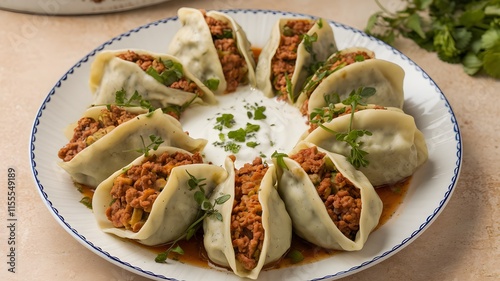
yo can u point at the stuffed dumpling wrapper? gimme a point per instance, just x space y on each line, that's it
396 147
326 114
386 77
295 47
150 200
215 49
104 141
256 205
159 78
331 204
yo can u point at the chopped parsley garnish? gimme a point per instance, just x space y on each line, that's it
226 120
252 144
156 141
279 159
135 100
308 40
87 201
172 73
241 134
356 97
255 112
212 83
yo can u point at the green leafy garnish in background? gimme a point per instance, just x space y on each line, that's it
466 32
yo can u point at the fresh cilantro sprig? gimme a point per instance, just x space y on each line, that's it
226 120
207 209
172 73
134 100
466 32
279 159
156 141
356 97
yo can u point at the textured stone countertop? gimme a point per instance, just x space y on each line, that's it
36 50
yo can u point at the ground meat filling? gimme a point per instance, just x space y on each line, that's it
328 115
233 63
341 198
247 232
333 64
146 61
283 62
348 58
135 191
89 130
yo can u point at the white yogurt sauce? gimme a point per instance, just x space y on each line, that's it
279 131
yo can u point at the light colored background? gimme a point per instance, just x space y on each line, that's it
36 50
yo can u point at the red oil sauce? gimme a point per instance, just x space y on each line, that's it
194 253
256 53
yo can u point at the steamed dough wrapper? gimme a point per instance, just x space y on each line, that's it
350 69
253 199
331 204
328 113
215 49
150 200
99 154
159 78
395 149
289 56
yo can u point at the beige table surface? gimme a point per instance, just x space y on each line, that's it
35 51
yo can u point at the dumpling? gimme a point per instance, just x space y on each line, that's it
262 238
386 77
104 140
328 113
295 48
215 49
150 200
331 204
395 149
160 79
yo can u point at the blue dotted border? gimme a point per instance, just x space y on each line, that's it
339 25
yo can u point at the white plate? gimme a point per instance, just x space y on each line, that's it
430 189
74 7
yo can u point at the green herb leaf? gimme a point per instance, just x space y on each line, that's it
252 144
173 72
237 135
308 40
279 159
207 209
212 83
156 141
458 31
259 113
226 120
135 100
87 201
295 255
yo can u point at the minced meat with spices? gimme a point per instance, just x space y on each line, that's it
341 198
233 64
145 61
329 115
135 191
247 232
283 61
89 130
